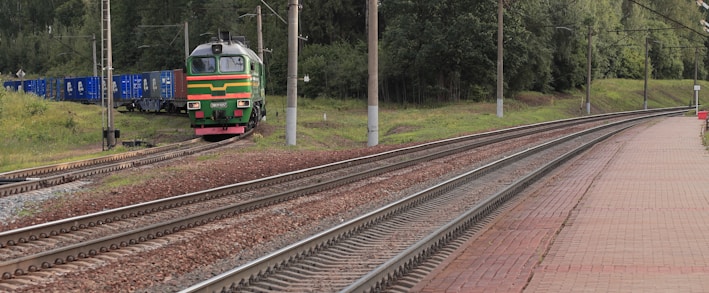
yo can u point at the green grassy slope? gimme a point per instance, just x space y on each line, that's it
35 131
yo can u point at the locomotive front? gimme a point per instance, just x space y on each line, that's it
225 88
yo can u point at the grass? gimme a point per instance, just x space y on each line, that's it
629 94
343 123
138 178
207 157
37 132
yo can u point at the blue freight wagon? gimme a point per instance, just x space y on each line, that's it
173 90
148 85
29 85
123 91
151 100
11 85
167 84
136 81
154 84
147 91
71 92
41 89
55 89
85 90
90 89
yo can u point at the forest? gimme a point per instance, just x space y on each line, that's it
429 51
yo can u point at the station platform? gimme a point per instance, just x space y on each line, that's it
629 215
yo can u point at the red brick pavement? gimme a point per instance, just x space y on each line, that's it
631 215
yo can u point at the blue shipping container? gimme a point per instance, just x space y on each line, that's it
147 91
154 84
88 89
11 85
29 85
92 86
136 86
70 92
41 88
122 87
80 89
167 84
55 89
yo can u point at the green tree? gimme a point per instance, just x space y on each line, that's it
71 13
125 19
330 21
337 70
528 49
430 51
443 50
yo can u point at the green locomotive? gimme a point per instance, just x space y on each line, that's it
225 87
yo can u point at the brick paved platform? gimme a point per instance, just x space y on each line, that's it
631 215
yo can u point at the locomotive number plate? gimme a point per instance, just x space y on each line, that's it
219 104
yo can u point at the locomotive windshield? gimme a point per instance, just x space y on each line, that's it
231 64
226 64
203 65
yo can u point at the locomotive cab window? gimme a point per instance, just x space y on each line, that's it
203 65
231 64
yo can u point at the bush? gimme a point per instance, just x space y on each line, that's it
36 106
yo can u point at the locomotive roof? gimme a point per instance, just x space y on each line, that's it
228 48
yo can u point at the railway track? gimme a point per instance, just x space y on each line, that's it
376 251
16 182
32 249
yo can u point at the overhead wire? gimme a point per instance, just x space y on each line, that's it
668 18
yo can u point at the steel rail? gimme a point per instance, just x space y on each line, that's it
406 261
163 153
58 256
41 170
31 233
258 269
90 248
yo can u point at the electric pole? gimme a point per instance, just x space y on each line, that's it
292 90
373 86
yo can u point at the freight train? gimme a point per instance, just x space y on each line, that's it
221 88
225 87
148 91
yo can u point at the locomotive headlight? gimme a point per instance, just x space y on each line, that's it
243 103
194 105
216 49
